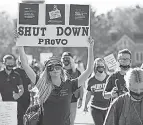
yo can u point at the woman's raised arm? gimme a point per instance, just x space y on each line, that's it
84 76
29 71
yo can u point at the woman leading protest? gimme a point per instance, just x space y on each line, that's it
55 90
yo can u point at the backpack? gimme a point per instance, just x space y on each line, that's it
33 115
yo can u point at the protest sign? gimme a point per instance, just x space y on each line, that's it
8 113
110 62
53 25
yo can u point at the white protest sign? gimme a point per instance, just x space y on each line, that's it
8 113
110 61
53 25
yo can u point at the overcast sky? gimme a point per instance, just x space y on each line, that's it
102 6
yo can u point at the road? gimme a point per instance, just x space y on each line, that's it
83 118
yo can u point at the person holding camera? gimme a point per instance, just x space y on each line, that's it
72 72
115 84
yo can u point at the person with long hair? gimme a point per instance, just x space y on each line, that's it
96 84
55 90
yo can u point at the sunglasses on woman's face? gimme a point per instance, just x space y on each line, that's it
52 67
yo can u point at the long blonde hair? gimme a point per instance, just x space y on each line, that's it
44 83
95 65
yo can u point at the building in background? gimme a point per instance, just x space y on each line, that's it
134 45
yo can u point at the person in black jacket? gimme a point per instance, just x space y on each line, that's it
11 86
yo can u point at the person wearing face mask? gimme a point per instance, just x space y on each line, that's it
115 84
96 84
11 87
127 109
72 72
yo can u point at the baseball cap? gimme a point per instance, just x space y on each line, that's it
67 54
53 61
8 57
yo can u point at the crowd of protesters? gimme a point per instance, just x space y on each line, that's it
116 98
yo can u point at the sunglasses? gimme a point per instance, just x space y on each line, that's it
52 67
100 67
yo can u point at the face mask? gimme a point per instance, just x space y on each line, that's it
136 96
9 67
66 62
100 69
125 67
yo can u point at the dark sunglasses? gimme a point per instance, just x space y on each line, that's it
52 67
100 66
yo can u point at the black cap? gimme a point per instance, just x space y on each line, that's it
10 56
